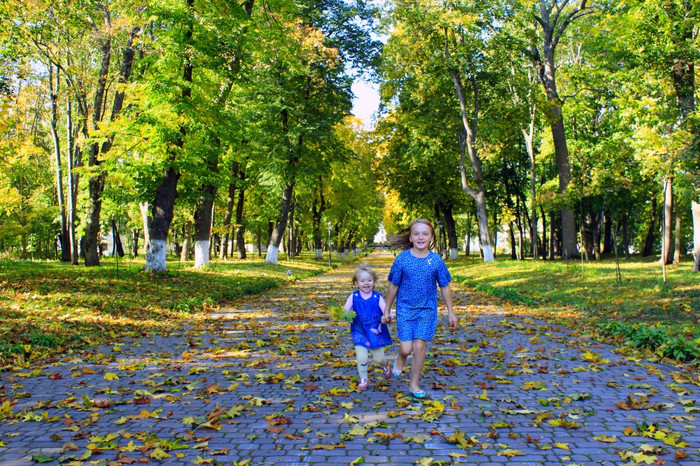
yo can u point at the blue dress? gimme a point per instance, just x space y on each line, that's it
416 300
366 328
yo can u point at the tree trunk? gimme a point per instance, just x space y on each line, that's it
280 226
677 242
164 204
146 220
240 219
467 144
117 246
186 238
228 213
696 235
588 235
529 137
91 238
63 235
625 236
513 241
277 234
291 232
597 224
607 235
545 244
203 215
666 242
96 184
452 243
161 218
135 242
317 209
74 160
552 237
651 231
553 28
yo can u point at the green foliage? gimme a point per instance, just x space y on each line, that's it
340 314
652 337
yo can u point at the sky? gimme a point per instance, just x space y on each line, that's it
366 101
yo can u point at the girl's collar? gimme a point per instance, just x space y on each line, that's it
417 256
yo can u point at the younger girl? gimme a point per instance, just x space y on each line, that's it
412 283
368 332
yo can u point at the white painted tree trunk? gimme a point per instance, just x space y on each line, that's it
146 219
201 253
488 253
155 257
319 253
454 253
271 255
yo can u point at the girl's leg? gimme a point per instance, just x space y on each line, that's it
419 347
380 358
362 356
405 349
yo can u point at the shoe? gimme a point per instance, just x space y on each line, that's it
362 386
395 372
420 394
388 371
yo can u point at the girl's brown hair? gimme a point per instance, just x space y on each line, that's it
402 239
364 267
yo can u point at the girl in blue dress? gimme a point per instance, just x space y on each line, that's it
368 332
413 281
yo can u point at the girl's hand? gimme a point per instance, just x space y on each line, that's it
454 323
386 318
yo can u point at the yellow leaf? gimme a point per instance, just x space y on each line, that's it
606 439
484 396
510 452
159 454
563 446
111 376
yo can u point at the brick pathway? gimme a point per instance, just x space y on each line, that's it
273 383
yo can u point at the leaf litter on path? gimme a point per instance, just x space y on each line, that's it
272 380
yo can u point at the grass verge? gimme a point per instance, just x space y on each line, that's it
638 311
50 308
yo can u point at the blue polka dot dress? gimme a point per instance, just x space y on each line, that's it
367 328
416 300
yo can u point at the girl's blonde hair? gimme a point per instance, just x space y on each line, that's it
364 267
402 239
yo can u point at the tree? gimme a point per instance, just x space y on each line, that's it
554 18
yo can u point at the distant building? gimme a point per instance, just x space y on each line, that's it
380 237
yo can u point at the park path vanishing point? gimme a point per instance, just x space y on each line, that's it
272 382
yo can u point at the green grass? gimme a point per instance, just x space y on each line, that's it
51 307
591 295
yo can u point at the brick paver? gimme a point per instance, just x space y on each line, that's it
272 382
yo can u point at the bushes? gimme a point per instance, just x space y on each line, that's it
653 338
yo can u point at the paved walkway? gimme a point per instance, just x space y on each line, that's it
273 383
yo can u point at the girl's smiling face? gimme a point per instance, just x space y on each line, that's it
365 281
421 236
